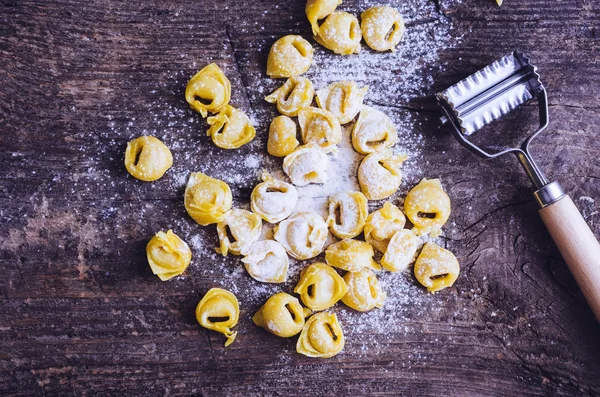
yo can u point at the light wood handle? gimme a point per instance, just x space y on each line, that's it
578 246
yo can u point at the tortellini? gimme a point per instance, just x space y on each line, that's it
147 158
364 292
379 174
373 132
340 33
296 93
289 56
302 235
320 127
343 98
239 229
351 255
347 214
208 91
282 315
400 251
322 336
231 128
266 261
382 27
219 311
282 137
168 255
382 224
307 164
273 200
207 199
428 207
320 287
319 9
436 268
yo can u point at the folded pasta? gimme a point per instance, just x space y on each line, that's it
340 33
343 98
273 200
282 137
289 56
296 93
364 291
231 128
320 287
382 224
379 174
351 255
219 311
266 261
147 158
168 255
319 9
428 207
239 229
282 315
320 127
373 132
347 214
321 337
382 27
302 235
400 251
207 199
436 268
208 91
307 164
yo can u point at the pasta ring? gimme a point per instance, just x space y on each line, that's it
272 199
231 128
351 255
347 214
343 98
168 255
320 287
239 229
219 311
302 235
428 207
282 137
436 268
207 199
373 132
340 33
208 91
400 251
147 158
320 127
382 27
322 336
289 56
266 261
364 292
307 164
379 174
296 93
382 224
319 9
282 315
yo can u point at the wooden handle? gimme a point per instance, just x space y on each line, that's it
578 246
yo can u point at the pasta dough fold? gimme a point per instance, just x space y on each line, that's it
296 93
231 128
219 311
302 235
289 56
266 261
307 164
364 292
272 199
238 229
168 255
282 137
340 33
436 268
207 199
320 127
382 27
400 251
208 91
379 174
428 207
147 158
343 98
351 255
322 336
319 9
382 224
347 214
282 315
320 287
373 132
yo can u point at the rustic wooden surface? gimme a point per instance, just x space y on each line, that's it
80 312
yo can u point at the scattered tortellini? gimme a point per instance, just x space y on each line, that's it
364 292
320 127
379 174
351 255
231 128
147 158
320 287
428 207
273 200
303 235
400 251
373 132
307 164
208 91
219 311
382 224
322 336
382 27
282 137
319 9
266 261
282 315
340 33
296 93
207 199
436 268
343 98
239 229
168 255
348 212
289 56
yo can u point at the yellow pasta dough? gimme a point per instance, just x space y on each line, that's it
168 255
436 268
266 261
289 56
231 128
282 137
147 158
379 174
208 91
320 287
296 93
272 199
400 251
319 9
382 27
207 199
364 292
321 337
343 98
428 207
340 33
351 255
348 212
219 311
320 127
238 229
302 235
373 132
382 224
282 315
307 164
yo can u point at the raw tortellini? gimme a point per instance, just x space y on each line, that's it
231 128
302 235
296 93
351 255
289 56
320 287
208 91
436 268
373 132
147 158
428 207
379 174
382 27
272 199
168 255
239 229
307 164
382 224
321 336
207 199
282 315
400 251
282 137
347 214
319 9
219 311
364 292
343 98
320 127
340 32
266 261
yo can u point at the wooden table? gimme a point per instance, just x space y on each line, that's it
80 311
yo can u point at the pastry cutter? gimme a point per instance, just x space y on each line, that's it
493 92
